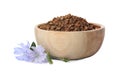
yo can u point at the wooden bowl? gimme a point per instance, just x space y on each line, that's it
70 44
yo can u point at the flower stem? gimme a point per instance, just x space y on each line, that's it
49 58
65 59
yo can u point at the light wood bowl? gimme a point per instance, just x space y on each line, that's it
70 44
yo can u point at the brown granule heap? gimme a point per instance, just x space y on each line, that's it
68 23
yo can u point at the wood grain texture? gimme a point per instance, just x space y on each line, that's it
71 45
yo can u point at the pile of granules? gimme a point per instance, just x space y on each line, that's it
68 23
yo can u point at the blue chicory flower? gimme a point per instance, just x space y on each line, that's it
36 55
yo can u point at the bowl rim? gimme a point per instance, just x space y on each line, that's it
101 27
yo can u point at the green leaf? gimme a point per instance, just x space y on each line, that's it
32 45
49 58
65 59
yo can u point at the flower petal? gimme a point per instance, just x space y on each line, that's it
24 58
40 60
18 50
40 48
25 45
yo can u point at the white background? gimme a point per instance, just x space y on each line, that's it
19 17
